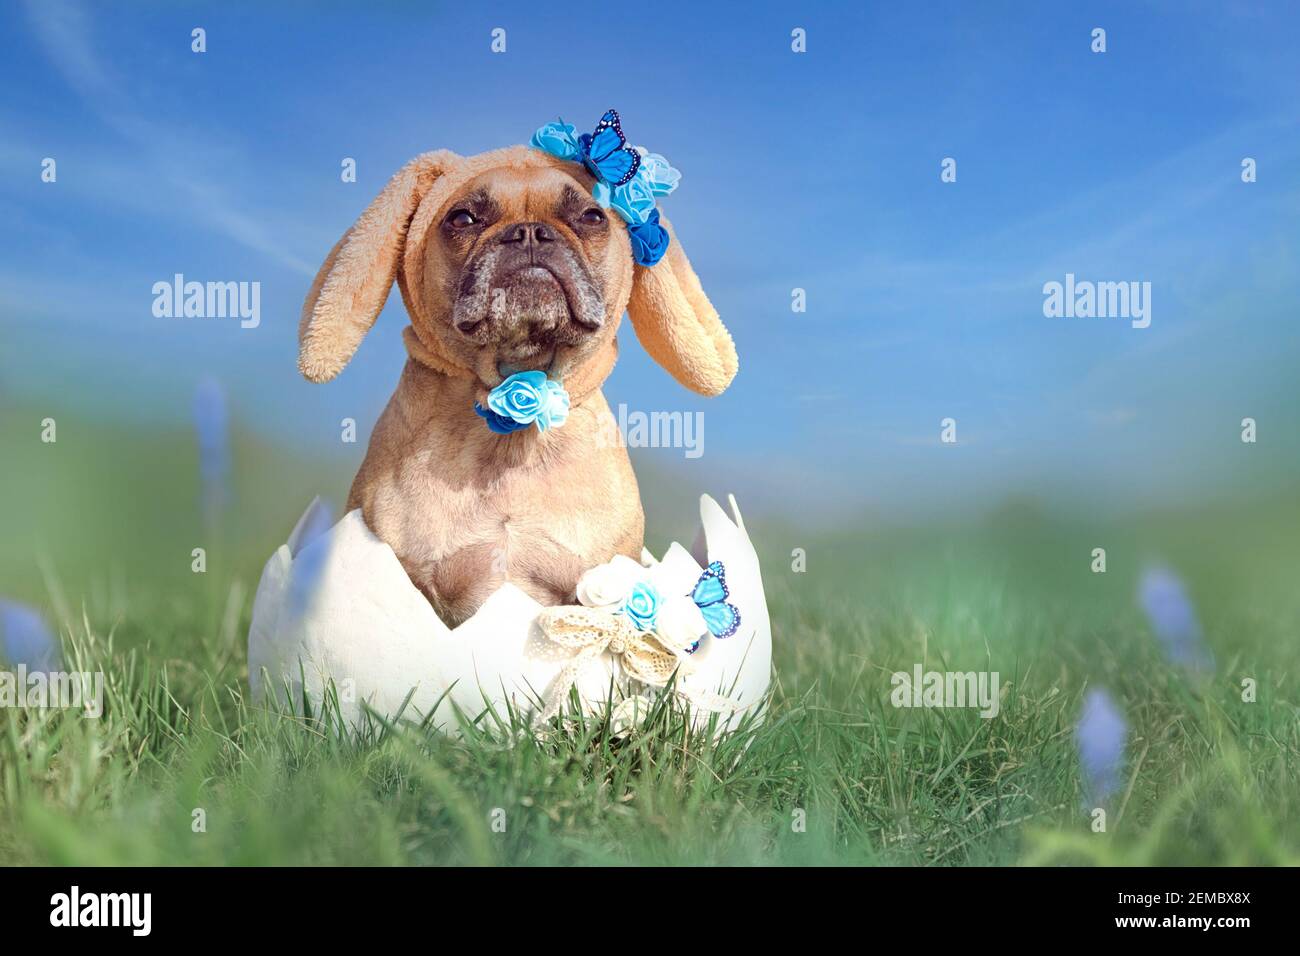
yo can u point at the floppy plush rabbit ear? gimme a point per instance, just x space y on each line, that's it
355 280
678 326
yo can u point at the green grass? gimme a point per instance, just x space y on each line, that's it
1209 779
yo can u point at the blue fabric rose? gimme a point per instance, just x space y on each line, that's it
633 201
649 240
499 423
558 139
555 410
659 173
642 606
523 399
519 397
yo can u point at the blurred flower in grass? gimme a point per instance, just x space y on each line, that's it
212 428
315 521
1172 617
1100 735
26 639
310 546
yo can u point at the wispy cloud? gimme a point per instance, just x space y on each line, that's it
173 161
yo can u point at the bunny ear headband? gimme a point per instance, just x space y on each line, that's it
672 316
629 179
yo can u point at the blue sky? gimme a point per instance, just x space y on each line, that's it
817 170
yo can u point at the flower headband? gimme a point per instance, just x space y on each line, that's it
629 179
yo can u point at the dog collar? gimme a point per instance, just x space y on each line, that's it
579 386
429 358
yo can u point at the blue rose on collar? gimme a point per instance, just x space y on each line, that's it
558 139
633 201
499 424
642 606
523 399
556 411
649 240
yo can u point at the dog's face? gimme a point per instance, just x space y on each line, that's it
519 269
506 264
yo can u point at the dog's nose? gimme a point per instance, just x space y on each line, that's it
526 234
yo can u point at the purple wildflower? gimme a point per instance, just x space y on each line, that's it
1101 734
26 639
310 546
1173 618
212 428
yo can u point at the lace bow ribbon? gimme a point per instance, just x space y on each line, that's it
590 632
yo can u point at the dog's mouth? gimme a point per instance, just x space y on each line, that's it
538 272
545 304
542 288
535 315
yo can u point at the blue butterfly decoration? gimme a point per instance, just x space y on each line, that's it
606 153
710 594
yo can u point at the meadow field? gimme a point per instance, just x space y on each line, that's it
99 531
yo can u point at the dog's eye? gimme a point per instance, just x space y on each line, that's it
460 218
592 217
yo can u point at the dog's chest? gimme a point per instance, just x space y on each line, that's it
539 530
495 545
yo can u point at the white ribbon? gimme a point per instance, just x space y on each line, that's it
590 632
